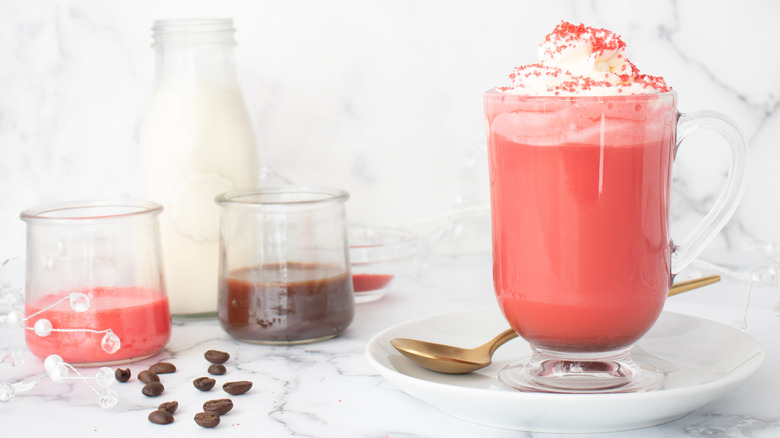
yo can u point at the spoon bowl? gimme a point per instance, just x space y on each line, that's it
450 359
455 360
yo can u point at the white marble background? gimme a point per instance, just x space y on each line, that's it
382 99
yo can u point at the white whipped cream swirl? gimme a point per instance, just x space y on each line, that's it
581 60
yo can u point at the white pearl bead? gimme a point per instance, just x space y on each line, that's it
42 327
52 361
58 374
15 318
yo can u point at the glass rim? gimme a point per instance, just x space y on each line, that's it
192 25
126 208
393 237
193 32
273 196
494 93
392 245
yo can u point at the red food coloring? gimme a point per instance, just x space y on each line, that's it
369 282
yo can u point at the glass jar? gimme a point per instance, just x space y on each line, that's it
196 142
284 265
95 289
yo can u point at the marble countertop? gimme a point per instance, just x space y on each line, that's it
328 389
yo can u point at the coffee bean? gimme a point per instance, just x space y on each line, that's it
147 376
221 406
170 406
207 419
216 356
217 369
237 388
161 417
152 389
163 368
122 375
204 383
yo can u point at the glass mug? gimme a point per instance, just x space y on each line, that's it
284 271
95 290
582 254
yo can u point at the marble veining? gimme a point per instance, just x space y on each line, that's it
384 100
394 116
734 425
328 389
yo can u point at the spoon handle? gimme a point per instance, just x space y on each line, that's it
685 286
505 336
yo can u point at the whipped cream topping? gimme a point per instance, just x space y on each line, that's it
581 60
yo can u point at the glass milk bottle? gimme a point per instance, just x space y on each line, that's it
196 143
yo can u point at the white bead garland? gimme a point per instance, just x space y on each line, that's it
79 302
14 357
59 371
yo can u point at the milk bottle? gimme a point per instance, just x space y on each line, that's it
196 143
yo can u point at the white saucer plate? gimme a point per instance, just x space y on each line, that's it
700 358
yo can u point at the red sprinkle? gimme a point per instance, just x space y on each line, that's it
567 33
603 42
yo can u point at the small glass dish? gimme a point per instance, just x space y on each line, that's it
377 256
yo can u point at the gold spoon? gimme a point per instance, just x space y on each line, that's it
456 360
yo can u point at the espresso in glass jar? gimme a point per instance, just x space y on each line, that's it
284 271
286 303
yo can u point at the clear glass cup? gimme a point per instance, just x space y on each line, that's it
582 254
95 289
284 271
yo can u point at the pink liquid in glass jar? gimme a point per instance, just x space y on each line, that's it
140 317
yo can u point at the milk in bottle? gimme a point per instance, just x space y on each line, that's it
196 143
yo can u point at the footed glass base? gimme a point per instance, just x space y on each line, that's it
587 373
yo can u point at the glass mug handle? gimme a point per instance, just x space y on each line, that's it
693 244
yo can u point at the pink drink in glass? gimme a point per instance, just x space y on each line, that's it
580 201
581 147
